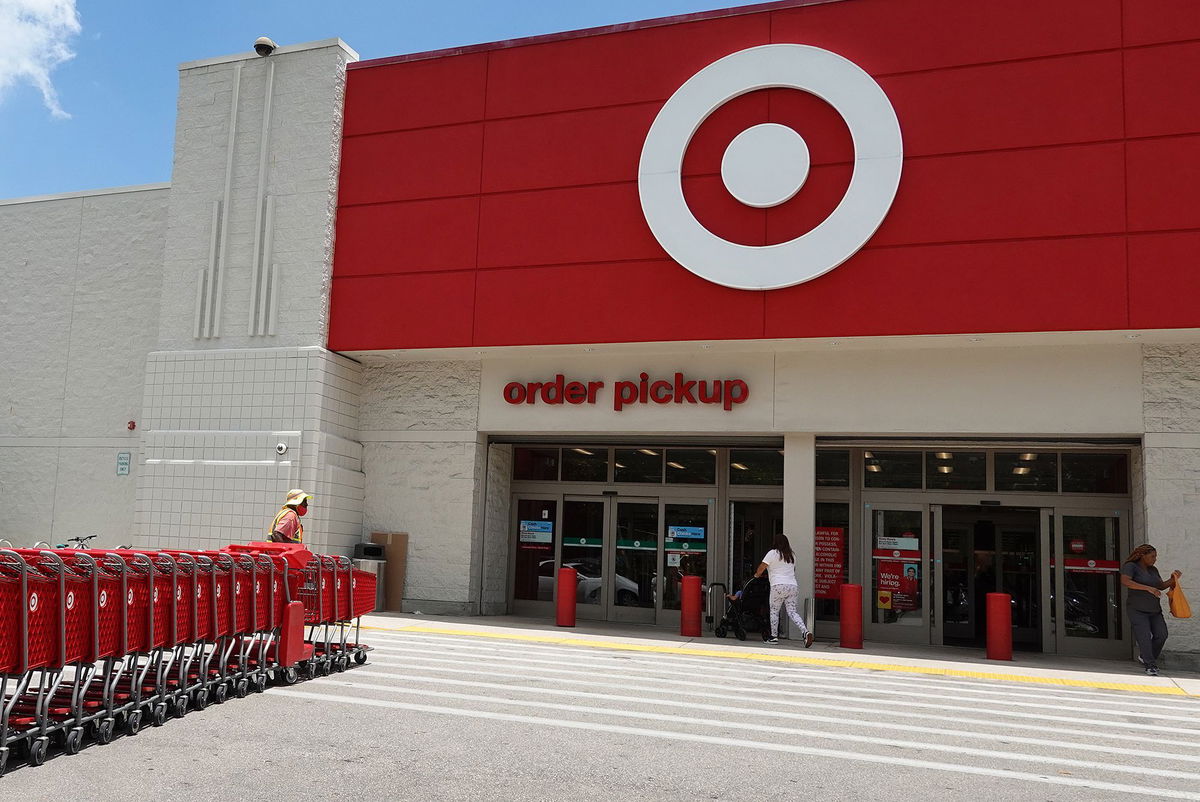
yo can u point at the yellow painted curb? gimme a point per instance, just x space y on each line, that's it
794 659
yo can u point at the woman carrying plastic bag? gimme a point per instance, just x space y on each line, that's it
1144 603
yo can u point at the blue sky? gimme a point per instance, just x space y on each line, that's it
117 86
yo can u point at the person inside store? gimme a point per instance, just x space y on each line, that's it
286 528
1144 603
780 566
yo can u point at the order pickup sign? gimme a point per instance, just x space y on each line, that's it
678 389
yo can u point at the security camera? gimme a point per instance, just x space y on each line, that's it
264 46
281 448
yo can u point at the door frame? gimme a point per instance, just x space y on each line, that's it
1083 647
937 580
531 607
919 635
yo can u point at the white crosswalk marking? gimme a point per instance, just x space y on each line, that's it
1107 742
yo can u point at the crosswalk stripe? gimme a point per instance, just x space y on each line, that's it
1122 751
796 659
825 681
794 731
692 686
1104 697
957 768
1124 737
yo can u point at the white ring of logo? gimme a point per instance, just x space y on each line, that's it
33 602
129 598
71 600
878 158
104 598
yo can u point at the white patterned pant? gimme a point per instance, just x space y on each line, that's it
786 596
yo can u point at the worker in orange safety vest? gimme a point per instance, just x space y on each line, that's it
286 528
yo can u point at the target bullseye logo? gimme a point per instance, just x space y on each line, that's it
766 165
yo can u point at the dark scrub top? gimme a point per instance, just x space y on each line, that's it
1141 600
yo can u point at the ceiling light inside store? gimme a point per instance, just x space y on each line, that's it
739 466
619 465
1028 457
874 468
945 469
675 465
712 451
1021 471
944 455
584 452
649 452
868 455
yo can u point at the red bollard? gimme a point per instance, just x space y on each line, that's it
689 607
851 617
999 626
565 606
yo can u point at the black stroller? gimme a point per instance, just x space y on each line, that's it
747 613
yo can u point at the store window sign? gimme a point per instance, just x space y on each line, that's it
642 391
681 532
902 543
899 585
766 165
536 532
828 561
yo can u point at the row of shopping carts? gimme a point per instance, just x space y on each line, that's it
97 642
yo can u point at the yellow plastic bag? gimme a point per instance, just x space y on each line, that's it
1179 603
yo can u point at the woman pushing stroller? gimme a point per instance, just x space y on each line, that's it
780 566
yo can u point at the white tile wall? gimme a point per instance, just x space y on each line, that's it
213 420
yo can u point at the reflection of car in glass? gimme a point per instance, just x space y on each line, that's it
588 582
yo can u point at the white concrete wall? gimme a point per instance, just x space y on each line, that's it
210 473
1171 478
424 465
222 394
304 145
79 290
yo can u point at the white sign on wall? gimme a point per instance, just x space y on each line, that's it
123 463
766 165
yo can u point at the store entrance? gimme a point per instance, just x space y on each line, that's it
989 550
630 554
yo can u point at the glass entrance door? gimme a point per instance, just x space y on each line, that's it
896 593
613 545
633 590
981 550
1088 549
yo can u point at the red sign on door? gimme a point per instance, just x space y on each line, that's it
1078 546
829 561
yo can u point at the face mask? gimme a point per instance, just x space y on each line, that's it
302 510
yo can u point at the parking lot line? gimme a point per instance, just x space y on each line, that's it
1167 690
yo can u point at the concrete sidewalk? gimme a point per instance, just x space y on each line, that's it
1026 667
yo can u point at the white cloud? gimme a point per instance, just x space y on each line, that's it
35 37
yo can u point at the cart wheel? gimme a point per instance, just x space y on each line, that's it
720 631
133 722
340 663
181 705
360 656
74 741
160 714
310 670
289 675
38 750
241 689
200 699
221 693
105 730
739 633
260 683
3 760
